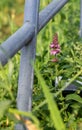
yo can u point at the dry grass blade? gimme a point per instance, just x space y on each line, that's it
28 124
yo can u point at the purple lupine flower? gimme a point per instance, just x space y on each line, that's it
55 47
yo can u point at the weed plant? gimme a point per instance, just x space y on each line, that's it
50 109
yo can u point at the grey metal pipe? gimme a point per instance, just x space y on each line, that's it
81 18
14 43
52 9
25 83
28 55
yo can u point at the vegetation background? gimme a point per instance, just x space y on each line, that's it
46 110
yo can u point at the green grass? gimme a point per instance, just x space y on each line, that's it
50 110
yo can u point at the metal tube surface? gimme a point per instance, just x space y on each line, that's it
26 74
52 9
13 44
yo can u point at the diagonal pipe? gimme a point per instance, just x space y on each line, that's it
51 10
21 37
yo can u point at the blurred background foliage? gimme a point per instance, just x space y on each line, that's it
67 24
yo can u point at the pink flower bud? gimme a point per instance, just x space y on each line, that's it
54 60
52 45
54 52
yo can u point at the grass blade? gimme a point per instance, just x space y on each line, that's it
55 114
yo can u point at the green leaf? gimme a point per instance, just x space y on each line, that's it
4 105
74 97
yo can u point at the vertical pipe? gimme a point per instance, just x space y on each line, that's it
25 83
80 18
